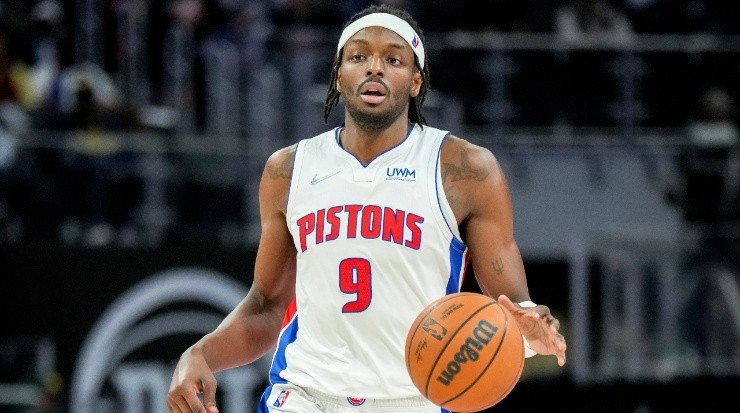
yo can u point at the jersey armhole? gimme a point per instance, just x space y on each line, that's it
294 179
444 207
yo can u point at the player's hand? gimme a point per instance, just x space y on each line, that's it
192 378
539 327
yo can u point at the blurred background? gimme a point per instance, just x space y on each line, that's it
133 135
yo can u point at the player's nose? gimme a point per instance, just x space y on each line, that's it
375 66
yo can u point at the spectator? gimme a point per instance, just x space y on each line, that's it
94 181
49 39
581 18
306 12
710 187
723 17
175 32
669 16
15 184
13 88
497 15
715 126
589 83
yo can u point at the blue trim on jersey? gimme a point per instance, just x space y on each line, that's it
336 135
292 171
336 138
457 254
262 405
438 189
279 363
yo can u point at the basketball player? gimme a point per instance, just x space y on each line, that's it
362 227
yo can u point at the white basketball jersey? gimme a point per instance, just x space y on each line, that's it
376 243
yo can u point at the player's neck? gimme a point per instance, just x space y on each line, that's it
366 145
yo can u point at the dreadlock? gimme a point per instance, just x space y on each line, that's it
415 103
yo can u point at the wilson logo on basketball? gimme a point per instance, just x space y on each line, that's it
479 338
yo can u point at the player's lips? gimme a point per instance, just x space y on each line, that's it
372 92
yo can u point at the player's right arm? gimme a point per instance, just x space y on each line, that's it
252 328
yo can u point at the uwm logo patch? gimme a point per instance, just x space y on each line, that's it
400 174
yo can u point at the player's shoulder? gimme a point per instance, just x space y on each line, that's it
280 163
466 154
471 176
284 152
455 142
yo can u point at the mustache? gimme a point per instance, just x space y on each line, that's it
373 79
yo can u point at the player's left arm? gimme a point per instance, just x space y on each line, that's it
479 195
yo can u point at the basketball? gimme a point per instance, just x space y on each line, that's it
464 352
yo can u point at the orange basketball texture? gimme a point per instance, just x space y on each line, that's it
464 352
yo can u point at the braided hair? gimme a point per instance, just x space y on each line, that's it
415 103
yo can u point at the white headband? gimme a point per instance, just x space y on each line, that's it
390 22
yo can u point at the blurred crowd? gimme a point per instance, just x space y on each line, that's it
85 189
49 81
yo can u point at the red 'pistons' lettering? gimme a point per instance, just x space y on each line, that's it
413 221
320 226
393 225
352 211
306 225
333 221
370 224
366 221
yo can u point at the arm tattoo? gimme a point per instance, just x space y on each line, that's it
498 266
282 171
464 171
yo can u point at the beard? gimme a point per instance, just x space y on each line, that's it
375 121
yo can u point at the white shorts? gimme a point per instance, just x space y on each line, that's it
287 398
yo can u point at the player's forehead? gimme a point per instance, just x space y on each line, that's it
396 28
378 36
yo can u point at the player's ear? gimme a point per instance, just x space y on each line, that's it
339 77
416 83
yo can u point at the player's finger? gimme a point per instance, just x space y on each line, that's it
561 348
507 303
178 404
561 358
554 324
172 407
209 394
193 403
